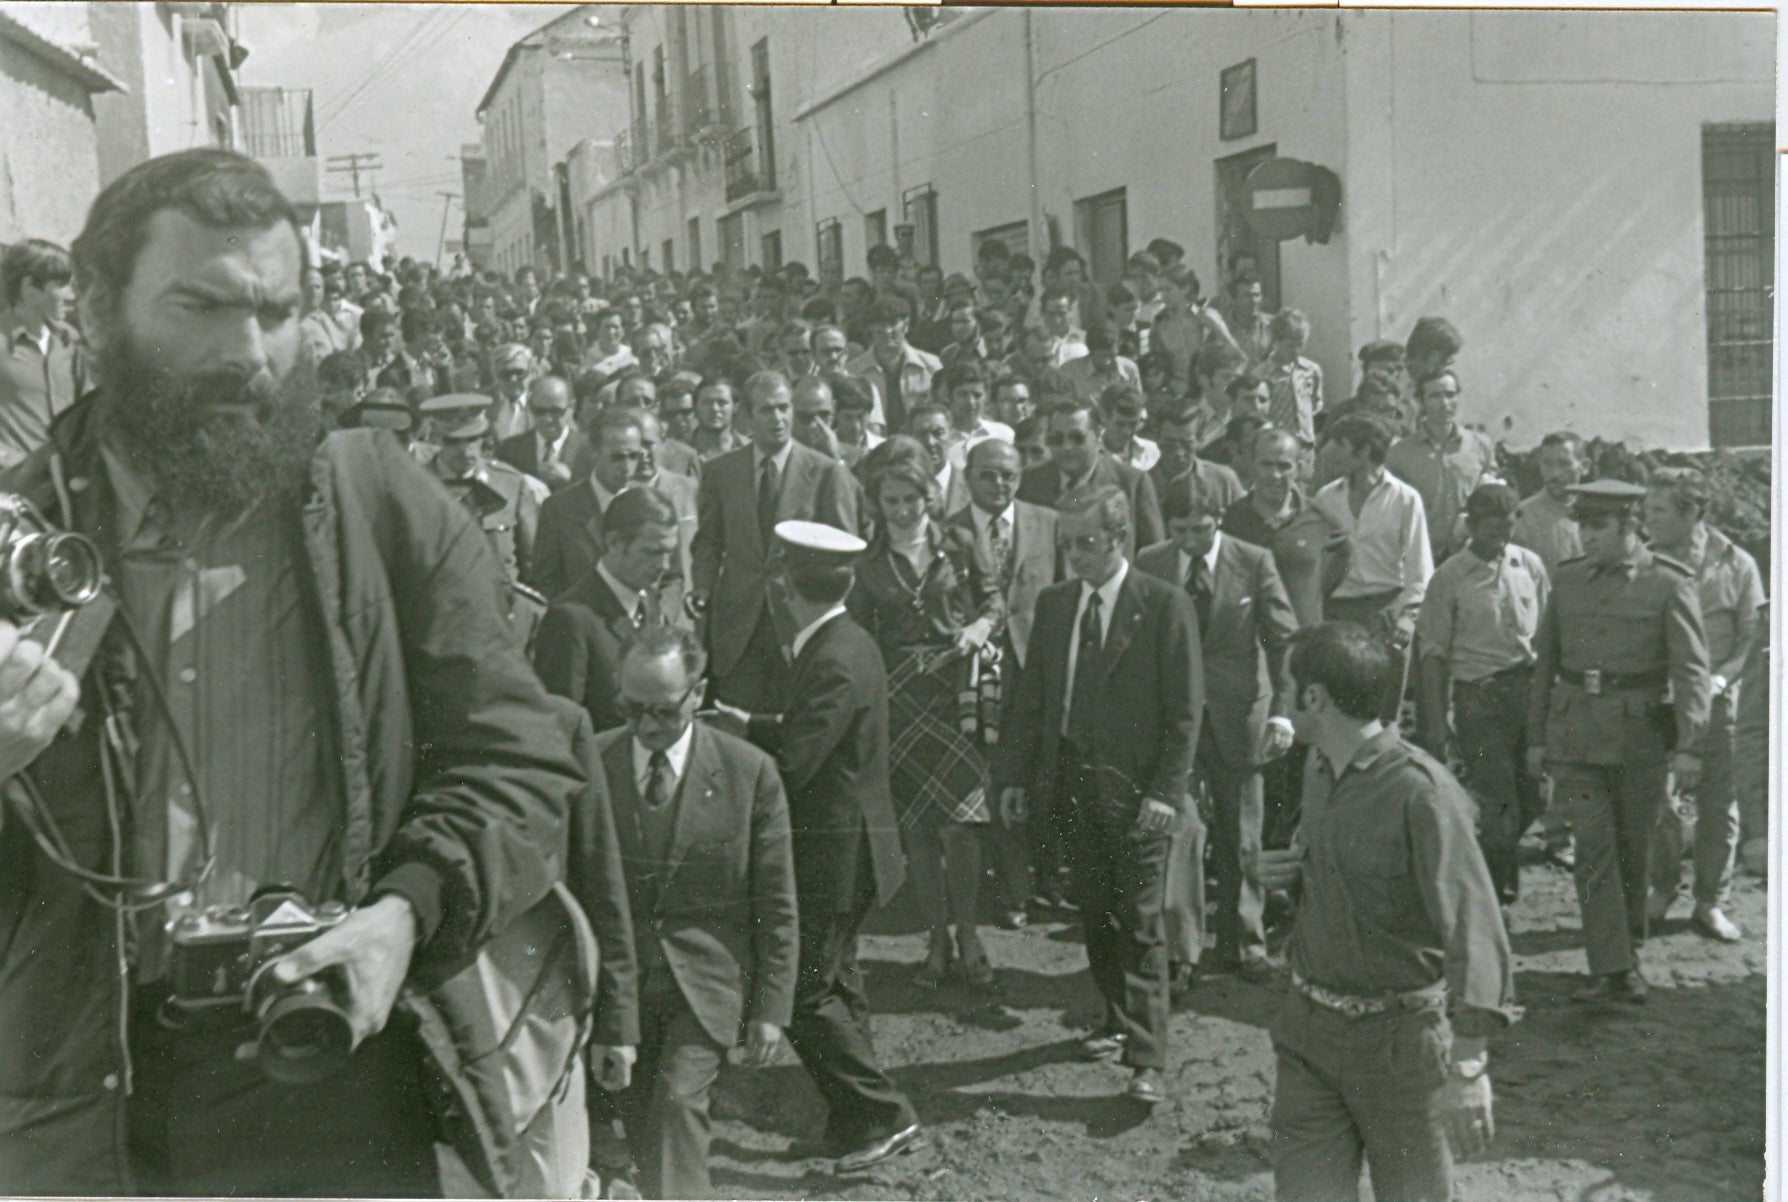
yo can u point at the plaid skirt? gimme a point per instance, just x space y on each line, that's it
936 771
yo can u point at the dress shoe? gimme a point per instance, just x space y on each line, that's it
1615 987
1015 920
878 1150
1181 979
1103 1046
1258 970
1715 925
1146 1087
976 969
937 961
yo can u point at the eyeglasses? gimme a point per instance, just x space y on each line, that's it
1085 542
514 375
662 712
993 477
544 411
1057 438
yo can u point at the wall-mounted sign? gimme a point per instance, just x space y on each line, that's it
1286 198
1239 115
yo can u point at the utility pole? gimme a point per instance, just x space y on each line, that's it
447 199
354 164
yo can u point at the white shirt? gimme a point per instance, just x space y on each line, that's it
633 601
1390 539
1210 562
1108 595
984 521
677 753
547 452
781 458
812 628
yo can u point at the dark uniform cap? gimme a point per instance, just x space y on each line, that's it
459 415
818 544
1382 351
1491 499
957 282
1602 497
379 415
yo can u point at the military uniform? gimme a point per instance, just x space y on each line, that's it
1612 639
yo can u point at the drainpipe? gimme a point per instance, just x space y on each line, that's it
1030 130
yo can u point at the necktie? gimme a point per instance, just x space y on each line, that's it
658 781
768 485
1001 540
1086 676
1198 583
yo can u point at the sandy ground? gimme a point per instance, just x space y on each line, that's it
1660 1102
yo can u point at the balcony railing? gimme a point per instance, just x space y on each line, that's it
667 135
744 174
277 123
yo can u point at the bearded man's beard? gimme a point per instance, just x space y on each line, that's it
214 442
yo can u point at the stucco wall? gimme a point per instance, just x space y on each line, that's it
49 161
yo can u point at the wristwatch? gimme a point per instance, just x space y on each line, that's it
1472 1069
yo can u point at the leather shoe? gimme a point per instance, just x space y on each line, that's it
1015 920
1615 987
1145 1087
1257 970
1102 1047
1715 925
876 1151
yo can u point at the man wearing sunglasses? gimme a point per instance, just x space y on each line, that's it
512 366
1078 461
569 541
703 824
554 452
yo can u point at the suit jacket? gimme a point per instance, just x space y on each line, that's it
577 651
721 904
569 540
832 746
1042 485
522 452
1243 647
730 561
1150 699
1036 564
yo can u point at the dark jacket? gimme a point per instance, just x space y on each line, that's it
457 780
578 649
832 747
522 452
1043 485
1145 725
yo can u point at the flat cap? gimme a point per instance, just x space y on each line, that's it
1605 496
818 541
458 414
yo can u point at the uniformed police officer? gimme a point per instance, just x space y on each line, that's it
1623 624
501 498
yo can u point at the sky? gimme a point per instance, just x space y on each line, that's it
401 81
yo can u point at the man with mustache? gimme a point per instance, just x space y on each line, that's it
309 684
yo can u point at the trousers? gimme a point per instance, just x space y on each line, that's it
1613 810
1715 820
1359 1090
1120 875
666 1107
1490 731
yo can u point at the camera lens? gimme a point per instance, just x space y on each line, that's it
305 1035
46 572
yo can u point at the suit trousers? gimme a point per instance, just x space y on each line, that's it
1120 875
1237 812
759 682
1714 822
1353 1090
666 1108
830 1033
1613 811
1490 731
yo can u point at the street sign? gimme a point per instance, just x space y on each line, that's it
1287 198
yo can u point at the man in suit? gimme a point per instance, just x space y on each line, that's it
831 742
743 495
1014 544
633 587
703 826
555 452
1245 623
1103 725
569 541
1078 461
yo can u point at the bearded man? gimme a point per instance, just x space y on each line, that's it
309 684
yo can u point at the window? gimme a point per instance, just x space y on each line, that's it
828 241
772 250
875 229
695 244
732 240
1738 193
918 206
766 129
670 254
1016 235
1101 231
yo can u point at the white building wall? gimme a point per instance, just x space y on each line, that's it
1528 176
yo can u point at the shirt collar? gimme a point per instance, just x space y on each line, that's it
603 496
1108 592
677 753
1367 753
1209 557
552 448
812 628
985 520
131 488
781 457
629 598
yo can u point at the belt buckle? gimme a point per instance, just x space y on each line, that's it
1592 682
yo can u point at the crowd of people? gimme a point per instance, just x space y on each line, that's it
743 601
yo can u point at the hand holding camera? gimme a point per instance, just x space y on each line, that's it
372 946
37 696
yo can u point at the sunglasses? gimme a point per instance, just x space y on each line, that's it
664 713
1086 542
1066 440
514 375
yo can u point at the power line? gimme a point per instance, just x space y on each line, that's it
380 72
428 45
354 164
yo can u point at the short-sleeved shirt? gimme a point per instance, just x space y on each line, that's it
1396 897
1730 589
37 382
1302 544
1443 473
1480 616
1548 528
1294 396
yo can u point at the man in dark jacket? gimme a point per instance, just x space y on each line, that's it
309 683
1078 461
831 744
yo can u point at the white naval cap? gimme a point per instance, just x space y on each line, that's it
818 540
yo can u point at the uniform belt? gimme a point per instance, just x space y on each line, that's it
1601 682
1353 1005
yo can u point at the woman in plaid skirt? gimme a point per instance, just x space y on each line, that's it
935 618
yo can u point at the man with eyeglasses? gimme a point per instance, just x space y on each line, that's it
676 406
703 823
571 520
555 452
1442 460
795 343
512 366
1078 461
1015 546
1177 438
1101 730
815 414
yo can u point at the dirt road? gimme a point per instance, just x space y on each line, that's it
1661 1102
